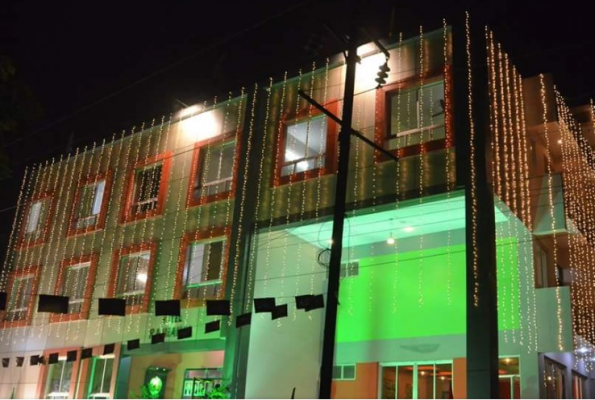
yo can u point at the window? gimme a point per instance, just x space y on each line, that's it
555 374
101 377
22 294
417 381
74 286
147 186
202 272
307 146
542 268
416 115
59 379
509 378
90 208
344 372
213 178
578 385
77 278
37 217
199 383
132 275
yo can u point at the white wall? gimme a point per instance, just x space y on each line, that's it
285 353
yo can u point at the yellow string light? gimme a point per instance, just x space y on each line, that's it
549 173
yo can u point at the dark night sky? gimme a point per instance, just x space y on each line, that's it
74 54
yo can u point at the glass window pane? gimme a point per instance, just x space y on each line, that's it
133 271
147 183
405 382
337 372
444 388
432 105
98 199
425 381
416 116
75 284
60 375
403 111
33 217
348 372
21 292
388 382
214 259
101 378
305 145
194 264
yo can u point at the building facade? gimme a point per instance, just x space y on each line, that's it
233 201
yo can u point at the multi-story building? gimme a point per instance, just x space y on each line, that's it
233 200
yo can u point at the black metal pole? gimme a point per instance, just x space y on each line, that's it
330 320
482 305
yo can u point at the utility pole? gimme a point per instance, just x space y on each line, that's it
330 318
344 142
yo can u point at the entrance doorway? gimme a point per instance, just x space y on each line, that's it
431 380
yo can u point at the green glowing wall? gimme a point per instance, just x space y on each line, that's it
409 295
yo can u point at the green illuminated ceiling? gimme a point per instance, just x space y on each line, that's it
412 218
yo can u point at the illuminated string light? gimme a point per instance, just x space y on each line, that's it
242 200
549 173
16 227
22 216
39 189
253 249
72 216
148 153
119 179
448 172
277 167
128 170
529 222
397 173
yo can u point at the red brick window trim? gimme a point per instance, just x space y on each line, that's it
36 220
414 119
146 188
214 171
202 267
21 296
132 276
76 280
306 145
90 204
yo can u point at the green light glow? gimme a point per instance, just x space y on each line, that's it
366 307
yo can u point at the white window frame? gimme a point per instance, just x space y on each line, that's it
58 395
97 204
102 395
137 202
124 273
204 283
81 301
292 160
342 369
200 183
